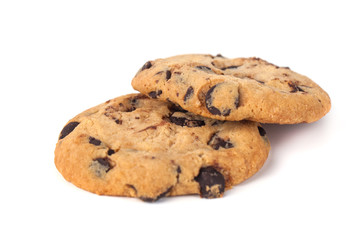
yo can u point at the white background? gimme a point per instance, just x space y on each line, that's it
58 58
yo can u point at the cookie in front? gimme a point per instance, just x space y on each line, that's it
140 147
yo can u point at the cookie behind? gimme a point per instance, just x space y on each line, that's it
233 89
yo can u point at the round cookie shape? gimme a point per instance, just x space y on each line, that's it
140 147
233 89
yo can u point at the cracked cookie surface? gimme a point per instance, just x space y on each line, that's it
141 147
233 89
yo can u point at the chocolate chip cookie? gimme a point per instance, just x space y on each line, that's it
233 89
140 147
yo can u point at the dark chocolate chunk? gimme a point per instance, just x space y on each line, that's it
225 111
110 152
219 55
130 109
118 121
203 68
178 171
237 101
216 142
155 94
208 102
213 110
94 141
189 93
261 131
152 94
300 89
176 108
295 87
100 166
168 75
211 181
229 67
105 162
68 129
150 200
147 65
181 121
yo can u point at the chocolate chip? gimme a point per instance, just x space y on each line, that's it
100 166
261 82
68 129
226 112
118 121
181 121
104 162
94 141
215 111
189 93
176 108
148 199
130 109
300 89
110 152
237 101
216 142
204 68
168 75
219 56
147 65
211 181
178 171
261 131
229 67
155 94
208 101
294 87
